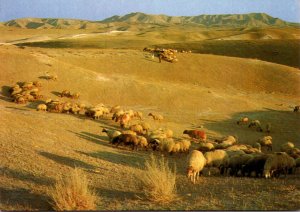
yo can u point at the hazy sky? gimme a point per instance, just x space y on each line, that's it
288 10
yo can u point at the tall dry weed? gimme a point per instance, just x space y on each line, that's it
158 180
72 193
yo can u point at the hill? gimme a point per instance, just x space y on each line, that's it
53 23
200 90
229 20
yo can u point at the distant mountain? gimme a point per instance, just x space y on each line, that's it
229 20
53 23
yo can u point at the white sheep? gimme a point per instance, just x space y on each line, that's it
41 107
111 133
286 146
137 128
195 163
215 158
156 117
266 141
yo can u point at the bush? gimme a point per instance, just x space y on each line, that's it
72 193
158 180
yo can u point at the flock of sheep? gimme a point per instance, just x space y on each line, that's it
226 154
164 54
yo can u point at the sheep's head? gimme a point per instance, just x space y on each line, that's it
189 172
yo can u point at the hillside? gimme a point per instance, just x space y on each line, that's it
229 20
199 90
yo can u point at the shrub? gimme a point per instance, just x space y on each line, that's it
72 193
158 180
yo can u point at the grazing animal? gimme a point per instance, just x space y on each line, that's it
243 120
278 163
41 107
195 163
126 139
216 158
266 141
111 133
156 117
196 134
256 125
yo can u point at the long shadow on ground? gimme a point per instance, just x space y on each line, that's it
26 176
24 198
122 158
71 162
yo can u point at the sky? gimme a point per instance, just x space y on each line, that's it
288 10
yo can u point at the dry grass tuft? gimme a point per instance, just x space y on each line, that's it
72 193
158 180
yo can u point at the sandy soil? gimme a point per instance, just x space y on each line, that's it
199 90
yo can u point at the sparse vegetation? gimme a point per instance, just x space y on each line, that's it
73 193
159 181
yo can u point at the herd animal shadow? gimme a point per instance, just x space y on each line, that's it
25 198
120 158
67 161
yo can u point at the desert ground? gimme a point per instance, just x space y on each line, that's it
208 89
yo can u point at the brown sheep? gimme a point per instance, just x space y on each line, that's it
196 134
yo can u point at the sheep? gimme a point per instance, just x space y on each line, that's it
75 96
196 134
166 145
137 128
297 108
142 142
161 133
75 109
195 164
37 83
20 100
27 86
255 164
116 116
236 163
146 127
16 91
52 77
154 144
111 134
128 132
41 107
231 153
138 115
266 141
185 145
205 147
286 146
243 120
215 158
115 109
255 124
65 93
278 163
156 117
124 120
126 139
294 152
